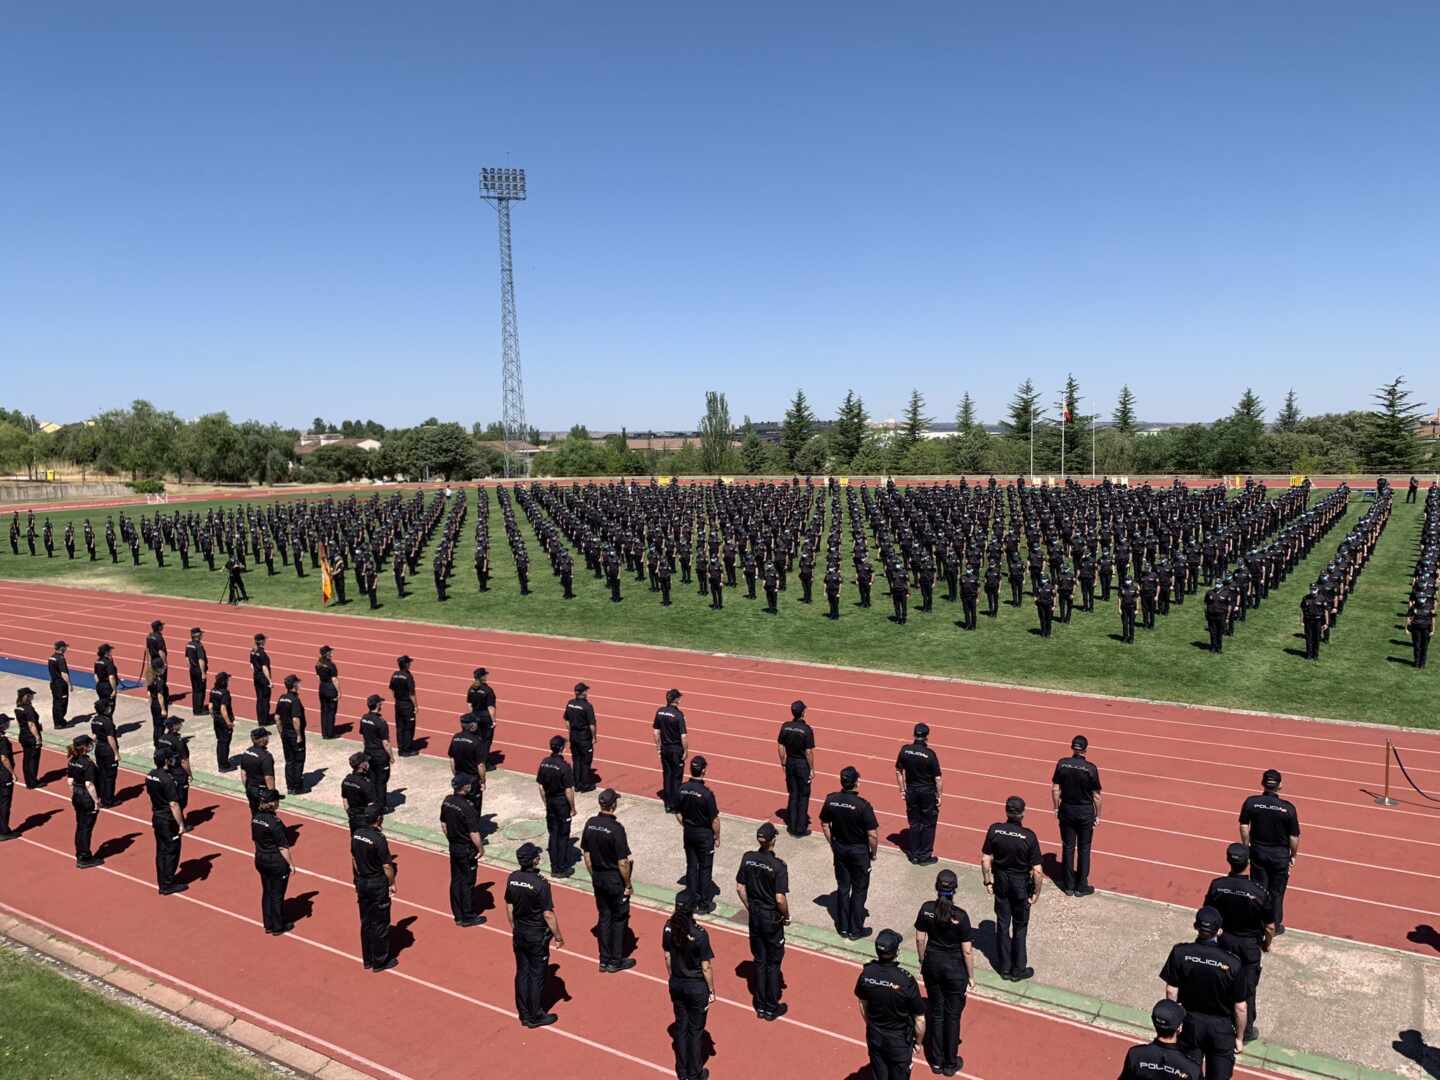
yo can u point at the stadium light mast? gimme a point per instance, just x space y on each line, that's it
500 187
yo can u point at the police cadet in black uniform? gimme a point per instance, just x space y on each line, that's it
290 718
261 677
689 965
374 871
947 964
7 780
892 1008
59 685
1129 596
357 790
481 697
222 718
530 912
1244 907
1217 608
970 599
672 744
257 765
1162 1057
84 797
606 849
580 719
1312 621
557 793
329 690
1010 866
832 590
1075 793
167 820
31 737
462 830
763 885
699 818
402 687
197 661
1209 984
1270 827
375 734
854 835
272 862
917 772
179 748
797 761
107 751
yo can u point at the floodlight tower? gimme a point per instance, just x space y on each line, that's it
501 187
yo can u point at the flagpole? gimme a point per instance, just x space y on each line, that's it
1092 448
1032 443
1064 416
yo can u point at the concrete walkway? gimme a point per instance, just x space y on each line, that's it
1327 1006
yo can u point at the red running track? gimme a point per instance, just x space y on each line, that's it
406 1024
1174 776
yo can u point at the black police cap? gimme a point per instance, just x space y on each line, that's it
1167 1016
887 944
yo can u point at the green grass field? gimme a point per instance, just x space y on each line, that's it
1364 674
57 1029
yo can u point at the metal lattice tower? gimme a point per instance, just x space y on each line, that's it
501 187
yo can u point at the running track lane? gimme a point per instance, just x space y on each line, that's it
1167 815
450 980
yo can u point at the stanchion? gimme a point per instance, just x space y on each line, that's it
1385 799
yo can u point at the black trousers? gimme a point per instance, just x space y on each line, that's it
167 848
1016 590
7 794
532 957
921 813
852 885
945 984
85 814
992 601
1087 595
197 693
797 786
767 948
890 1054
613 908
971 615
1067 604
404 726
373 897
30 764
107 771
1012 919
557 823
717 595
691 1001
1127 624
772 598
1215 624
274 876
581 756
1420 644
1210 1040
749 585
1047 616
833 599
1077 830
223 734
1270 866
292 746
59 705
1313 629
1147 610
328 708
672 763
1252 957
700 865
380 778
901 601
262 705
463 863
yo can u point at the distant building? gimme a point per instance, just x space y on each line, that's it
1429 428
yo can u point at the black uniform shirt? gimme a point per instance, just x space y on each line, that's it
269 835
219 703
764 877
402 685
850 817
554 776
698 809
529 895
580 715
480 697
605 841
194 655
358 791
685 963
29 722
326 671
1272 820
259 662
1156 1061
891 998
374 731
290 711
460 818
160 786
81 771
370 851
7 754
155 645
59 669
465 753
1208 977
796 736
1012 848
920 766
1242 903
1078 779
102 726
256 764
670 722
946 936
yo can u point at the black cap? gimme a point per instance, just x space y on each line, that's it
766 831
4 721
1014 805
1208 919
797 708
81 740
1167 1016
162 755
292 681
946 882
922 731
402 660
259 733
356 758
61 645
1079 742
609 797
887 944
157 625
469 718
373 700
849 775
174 720
1237 854
527 853
25 690
698 765
671 696
581 687
1271 778
196 630
557 743
326 649
270 795
460 780
259 638
481 672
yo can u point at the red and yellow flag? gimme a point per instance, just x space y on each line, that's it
327 580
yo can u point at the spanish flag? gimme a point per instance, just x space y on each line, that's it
327 581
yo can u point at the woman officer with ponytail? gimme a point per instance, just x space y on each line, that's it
947 964
692 987
83 797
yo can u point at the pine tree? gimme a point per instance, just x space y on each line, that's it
715 432
1024 411
848 434
1124 414
1249 407
965 415
1288 418
798 427
1389 440
1072 399
913 428
752 449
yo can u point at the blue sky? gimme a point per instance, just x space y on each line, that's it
274 209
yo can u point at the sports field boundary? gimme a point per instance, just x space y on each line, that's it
133 987
1082 1009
